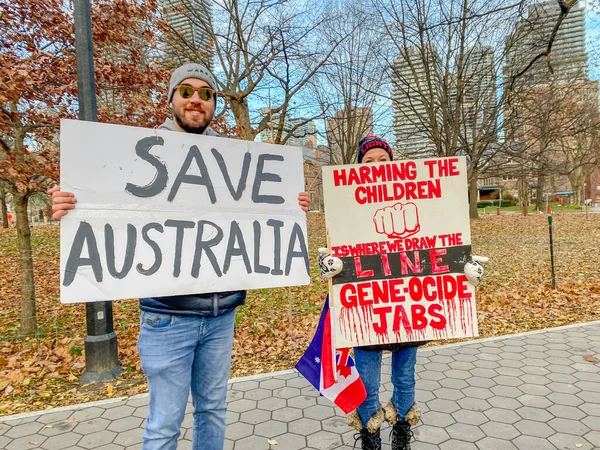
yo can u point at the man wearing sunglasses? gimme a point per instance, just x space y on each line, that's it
185 341
192 99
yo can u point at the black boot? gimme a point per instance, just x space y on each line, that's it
369 441
401 436
369 436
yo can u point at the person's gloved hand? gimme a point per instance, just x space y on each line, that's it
329 265
474 269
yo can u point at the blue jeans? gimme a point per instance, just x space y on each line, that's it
368 364
178 353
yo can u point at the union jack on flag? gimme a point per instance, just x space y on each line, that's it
343 385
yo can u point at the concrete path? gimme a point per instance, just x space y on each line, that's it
532 391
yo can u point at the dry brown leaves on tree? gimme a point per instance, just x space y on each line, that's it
275 326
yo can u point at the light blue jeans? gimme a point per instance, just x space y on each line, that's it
368 364
178 353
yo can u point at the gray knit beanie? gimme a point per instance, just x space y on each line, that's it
191 70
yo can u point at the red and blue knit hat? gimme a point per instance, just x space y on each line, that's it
370 142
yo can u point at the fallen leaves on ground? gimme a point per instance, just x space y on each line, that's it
276 325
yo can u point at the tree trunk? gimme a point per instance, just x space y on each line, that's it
241 114
577 188
473 214
576 179
3 208
539 192
523 195
28 307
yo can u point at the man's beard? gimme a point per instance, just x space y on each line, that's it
190 128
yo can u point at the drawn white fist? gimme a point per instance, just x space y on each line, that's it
473 269
398 221
329 265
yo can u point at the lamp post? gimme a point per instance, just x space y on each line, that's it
101 356
551 251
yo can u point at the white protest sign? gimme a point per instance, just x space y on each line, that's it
402 231
164 213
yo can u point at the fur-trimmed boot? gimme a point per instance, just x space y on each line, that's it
370 437
401 432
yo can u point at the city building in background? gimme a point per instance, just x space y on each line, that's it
299 131
416 92
531 37
187 40
303 133
411 86
344 131
479 102
549 115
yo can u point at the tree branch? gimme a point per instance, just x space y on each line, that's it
565 9
474 16
4 145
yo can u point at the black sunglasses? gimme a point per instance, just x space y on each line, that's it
204 93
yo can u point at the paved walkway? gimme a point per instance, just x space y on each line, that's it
531 391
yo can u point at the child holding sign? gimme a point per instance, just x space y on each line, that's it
402 411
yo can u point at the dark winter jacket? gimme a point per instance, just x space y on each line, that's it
213 304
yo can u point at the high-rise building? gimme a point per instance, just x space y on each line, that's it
344 131
187 39
410 86
568 58
269 133
301 132
542 107
531 37
417 93
479 99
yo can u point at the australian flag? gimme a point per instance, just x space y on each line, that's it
332 372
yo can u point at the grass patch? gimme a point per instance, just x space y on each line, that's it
531 209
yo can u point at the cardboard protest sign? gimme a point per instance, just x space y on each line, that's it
402 231
165 213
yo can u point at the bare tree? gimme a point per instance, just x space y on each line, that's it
349 87
533 122
555 124
446 74
565 8
580 146
548 107
267 49
458 64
